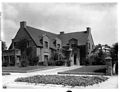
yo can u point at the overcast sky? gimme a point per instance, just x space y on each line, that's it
67 17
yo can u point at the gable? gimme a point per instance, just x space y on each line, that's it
73 41
80 36
22 34
36 34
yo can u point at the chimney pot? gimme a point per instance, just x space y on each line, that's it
88 29
61 32
23 24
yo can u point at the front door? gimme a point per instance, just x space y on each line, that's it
75 57
46 59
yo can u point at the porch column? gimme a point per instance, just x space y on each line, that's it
15 57
15 60
79 56
9 60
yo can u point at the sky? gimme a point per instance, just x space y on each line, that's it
67 17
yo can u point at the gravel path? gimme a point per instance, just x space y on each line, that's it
8 80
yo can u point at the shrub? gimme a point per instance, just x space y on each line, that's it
86 61
12 63
51 62
5 63
4 87
33 61
68 62
59 62
24 63
41 63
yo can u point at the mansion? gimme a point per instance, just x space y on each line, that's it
44 44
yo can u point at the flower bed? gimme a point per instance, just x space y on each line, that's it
63 80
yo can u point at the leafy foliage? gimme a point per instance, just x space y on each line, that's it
98 55
114 55
23 63
114 52
57 58
33 60
60 62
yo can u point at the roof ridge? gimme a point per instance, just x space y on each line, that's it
41 30
74 32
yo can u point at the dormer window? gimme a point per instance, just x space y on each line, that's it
27 43
15 44
73 42
58 46
89 45
41 40
46 44
54 42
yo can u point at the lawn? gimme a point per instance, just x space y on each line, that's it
26 69
92 70
63 80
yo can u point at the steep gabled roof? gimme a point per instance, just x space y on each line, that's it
80 36
37 34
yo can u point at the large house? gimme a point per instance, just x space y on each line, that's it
44 44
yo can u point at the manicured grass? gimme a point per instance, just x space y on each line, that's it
88 70
63 80
26 69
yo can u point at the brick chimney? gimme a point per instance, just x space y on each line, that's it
62 32
23 24
88 29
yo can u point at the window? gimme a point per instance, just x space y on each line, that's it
58 45
15 44
27 43
45 57
92 46
89 45
54 42
73 42
46 44
41 40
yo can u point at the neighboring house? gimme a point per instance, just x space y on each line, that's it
44 44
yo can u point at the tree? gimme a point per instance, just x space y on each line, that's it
114 52
4 47
114 55
98 55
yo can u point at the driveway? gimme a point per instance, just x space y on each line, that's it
8 80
